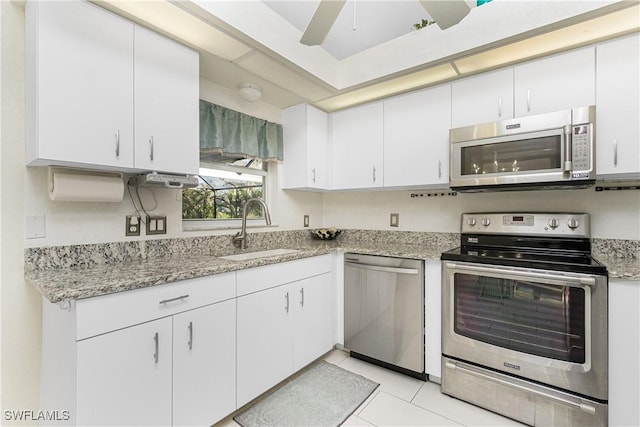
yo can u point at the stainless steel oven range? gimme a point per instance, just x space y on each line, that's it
524 319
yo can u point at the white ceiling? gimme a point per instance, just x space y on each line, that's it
360 25
244 41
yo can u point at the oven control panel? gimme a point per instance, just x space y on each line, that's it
532 224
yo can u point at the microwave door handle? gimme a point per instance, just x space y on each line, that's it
568 155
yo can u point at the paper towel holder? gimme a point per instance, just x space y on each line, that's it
52 171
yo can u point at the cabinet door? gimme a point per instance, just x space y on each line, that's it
166 105
485 98
306 140
416 138
204 364
618 107
624 353
311 300
557 83
432 318
264 342
79 85
124 377
356 147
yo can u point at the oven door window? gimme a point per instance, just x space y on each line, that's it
527 316
526 155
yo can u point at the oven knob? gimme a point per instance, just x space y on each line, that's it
486 221
554 223
573 223
471 222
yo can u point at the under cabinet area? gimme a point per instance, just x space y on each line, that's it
130 95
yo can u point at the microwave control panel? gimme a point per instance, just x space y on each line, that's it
581 148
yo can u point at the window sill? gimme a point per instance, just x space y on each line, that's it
209 225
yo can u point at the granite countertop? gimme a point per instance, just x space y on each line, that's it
89 281
84 271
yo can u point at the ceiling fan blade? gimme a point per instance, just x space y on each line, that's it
446 13
321 22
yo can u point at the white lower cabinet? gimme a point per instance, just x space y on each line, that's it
280 330
124 377
204 364
624 353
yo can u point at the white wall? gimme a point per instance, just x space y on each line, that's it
614 214
20 302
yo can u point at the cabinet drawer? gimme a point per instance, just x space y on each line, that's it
110 312
260 278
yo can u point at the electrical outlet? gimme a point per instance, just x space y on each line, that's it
394 220
132 226
306 220
156 224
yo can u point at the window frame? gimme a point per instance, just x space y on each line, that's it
196 224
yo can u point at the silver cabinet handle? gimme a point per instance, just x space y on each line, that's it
528 100
118 143
151 148
190 342
574 281
181 297
374 174
615 152
500 106
156 340
439 168
286 307
314 174
302 297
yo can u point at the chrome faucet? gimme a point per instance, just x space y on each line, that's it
241 237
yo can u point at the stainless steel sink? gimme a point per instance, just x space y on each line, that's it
260 254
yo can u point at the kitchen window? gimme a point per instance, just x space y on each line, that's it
219 199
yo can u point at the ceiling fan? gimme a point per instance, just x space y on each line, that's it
446 13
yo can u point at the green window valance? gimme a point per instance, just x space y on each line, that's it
231 133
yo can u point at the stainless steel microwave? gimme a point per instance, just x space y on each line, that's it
552 150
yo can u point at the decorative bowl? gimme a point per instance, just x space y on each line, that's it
326 233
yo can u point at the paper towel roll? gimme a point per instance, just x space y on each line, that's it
75 187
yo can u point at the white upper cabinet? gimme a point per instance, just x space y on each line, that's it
356 147
91 81
618 108
166 104
416 138
306 144
79 63
482 99
556 83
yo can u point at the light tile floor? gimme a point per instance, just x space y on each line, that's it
404 401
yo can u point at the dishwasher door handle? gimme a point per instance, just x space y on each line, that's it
399 270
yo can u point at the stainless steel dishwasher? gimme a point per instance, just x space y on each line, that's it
384 311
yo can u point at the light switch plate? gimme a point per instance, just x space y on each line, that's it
156 224
34 227
394 221
306 221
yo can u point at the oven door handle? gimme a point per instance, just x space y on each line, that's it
470 371
586 280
